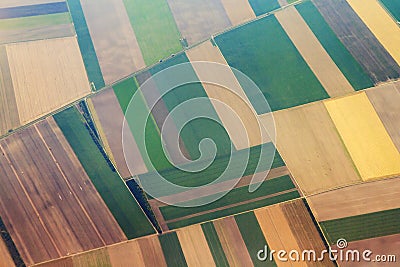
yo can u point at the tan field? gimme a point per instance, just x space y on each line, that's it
356 200
199 19
110 121
194 246
288 226
282 2
384 245
238 11
380 23
65 213
94 258
46 74
9 118
232 242
312 149
5 257
241 120
385 99
362 131
329 75
13 3
113 38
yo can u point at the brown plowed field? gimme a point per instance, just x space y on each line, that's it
56 209
5 257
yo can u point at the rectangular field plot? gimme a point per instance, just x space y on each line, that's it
154 27
263 6
356 200
264 52
351 69
34 22
199 19
393 7
312 149
361 130
364 226
45 75
359 40
238 11
65 214
108 183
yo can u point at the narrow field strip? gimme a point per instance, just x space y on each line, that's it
393 7
33 10
319 61
238 11
361 130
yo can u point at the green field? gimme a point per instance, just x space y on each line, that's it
264 52
35 21
234 210
85 44
362 226
263 6
214 244
154 27
253 237
393 6
353 71
172 250
124 92
200 128
218 166
108 183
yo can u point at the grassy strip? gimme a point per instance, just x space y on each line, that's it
263 6
234 210
393 6
153 147
214 244
264 52
253 237
172 250
353 71
364 226
218 166
234 196
154 27
85 44
108 183
34 22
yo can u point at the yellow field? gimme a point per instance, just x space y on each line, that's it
194 246
46 75
365 137
238 11
380 24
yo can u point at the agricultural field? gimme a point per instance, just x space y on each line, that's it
40 67
114 40
5 256
108 183
351 69
393 7
156 32
238 11
363 44
312 149
199 19
319 61
261 7
361 130
254 48
27 21
70 217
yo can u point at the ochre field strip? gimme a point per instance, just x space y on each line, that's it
9 117
362 131
194 246
5 257
111 120
330 76
232 242
356 200
238 11
385 99
114 40
46 74
312 149
242 114
380 23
